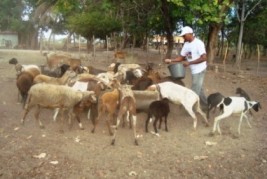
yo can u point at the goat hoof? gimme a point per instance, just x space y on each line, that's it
113 142
211 134
81 128
135 142
92 131
42 127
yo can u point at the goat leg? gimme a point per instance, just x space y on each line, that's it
147 120
166 127
36 115
155 124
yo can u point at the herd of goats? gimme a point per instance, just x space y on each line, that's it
117 94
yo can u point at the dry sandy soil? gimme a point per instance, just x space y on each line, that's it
59 152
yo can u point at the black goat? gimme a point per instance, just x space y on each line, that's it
213 100
242 93
158 109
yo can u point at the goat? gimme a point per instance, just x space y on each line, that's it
52 80
213 100
20 68
142 83
44 95
95 71
158 109
234 105
25 81
120 55
128 76
56 58
242 93
108 105
127 105
178 94
152 77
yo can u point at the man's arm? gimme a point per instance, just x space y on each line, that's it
201 59
178 59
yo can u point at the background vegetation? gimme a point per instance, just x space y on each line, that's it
240 24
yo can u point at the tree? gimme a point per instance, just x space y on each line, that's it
241 8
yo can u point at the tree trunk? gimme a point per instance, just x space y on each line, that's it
212 41
240 37
168 26
34 40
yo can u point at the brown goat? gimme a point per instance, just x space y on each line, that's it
25 81
56 59
127 106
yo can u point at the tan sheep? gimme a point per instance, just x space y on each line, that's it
55 96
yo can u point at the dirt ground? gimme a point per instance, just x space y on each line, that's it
59 152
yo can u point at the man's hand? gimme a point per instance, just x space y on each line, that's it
186 63
168 60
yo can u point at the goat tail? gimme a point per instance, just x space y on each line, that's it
198 109
201 112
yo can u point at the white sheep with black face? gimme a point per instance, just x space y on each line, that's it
44 95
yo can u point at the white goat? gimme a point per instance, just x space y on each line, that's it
234 105
178 94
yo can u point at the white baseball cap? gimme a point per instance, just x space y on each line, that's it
186 30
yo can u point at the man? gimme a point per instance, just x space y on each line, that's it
194 52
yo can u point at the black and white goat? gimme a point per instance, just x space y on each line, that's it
234 105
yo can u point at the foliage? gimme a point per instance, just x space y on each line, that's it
10 14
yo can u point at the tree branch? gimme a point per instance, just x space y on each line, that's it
252 9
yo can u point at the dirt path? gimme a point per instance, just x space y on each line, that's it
57 152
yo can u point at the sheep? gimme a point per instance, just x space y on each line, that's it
89 85
127 105
52 80
158 109
44 95
213 100
178 94
234 105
